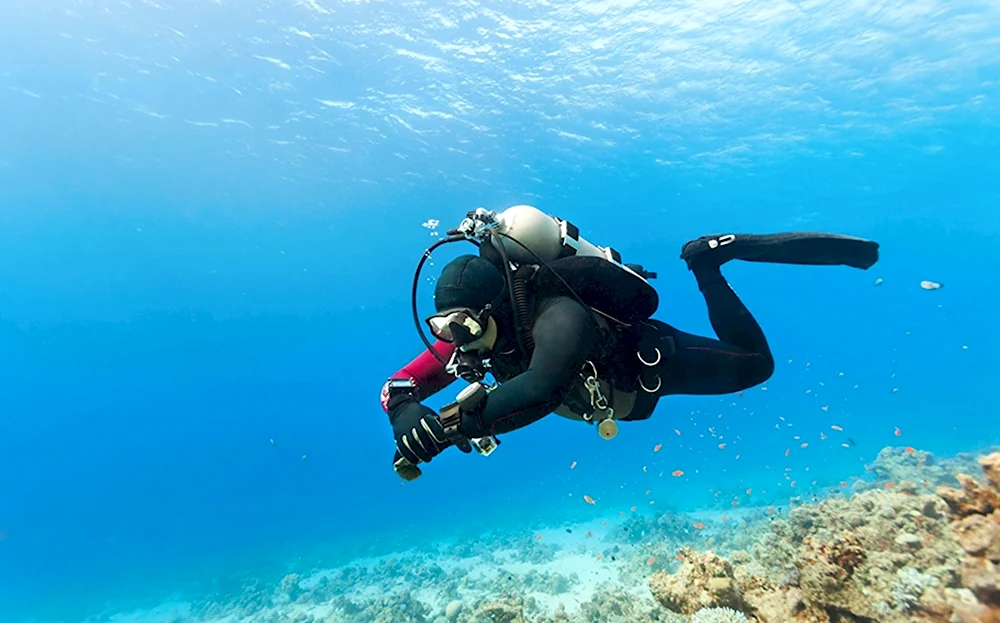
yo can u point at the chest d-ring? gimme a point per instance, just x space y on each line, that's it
659 384
650 364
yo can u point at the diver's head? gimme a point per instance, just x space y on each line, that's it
467 290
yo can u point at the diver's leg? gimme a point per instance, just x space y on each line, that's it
738 360
702 366
730 318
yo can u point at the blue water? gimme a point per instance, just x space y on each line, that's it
210 213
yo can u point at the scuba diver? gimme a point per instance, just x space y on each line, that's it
563 326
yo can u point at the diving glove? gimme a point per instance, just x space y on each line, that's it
418 432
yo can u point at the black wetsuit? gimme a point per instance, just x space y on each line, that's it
566 336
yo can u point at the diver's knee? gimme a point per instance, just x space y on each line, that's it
758 370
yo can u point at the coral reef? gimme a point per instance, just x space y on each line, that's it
718 615
890 555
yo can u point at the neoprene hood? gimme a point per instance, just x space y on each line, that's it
468 281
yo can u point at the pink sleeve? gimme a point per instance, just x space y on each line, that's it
426 372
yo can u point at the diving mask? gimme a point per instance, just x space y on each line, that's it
461 326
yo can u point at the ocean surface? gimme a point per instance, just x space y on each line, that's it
211 211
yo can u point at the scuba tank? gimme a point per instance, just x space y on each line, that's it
531 236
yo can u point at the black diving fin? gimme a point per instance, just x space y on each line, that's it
807 248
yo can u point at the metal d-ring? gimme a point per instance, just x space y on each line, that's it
659 383
650 364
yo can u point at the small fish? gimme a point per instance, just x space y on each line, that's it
644 470
931 285
657 447
836 428
632 509
890 485
568 531
699 526
909 450
825 408
650 560
677 430
722 446
305 456
273 442
792 484
589 534
725 518
600 557
677 473
572 465
680 558
804 445
749 491
735 502
788 451
879 281
897 432
843 483
822 435
589 500
538 537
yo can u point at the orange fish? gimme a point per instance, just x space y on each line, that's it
657 447
804 445
908 450
897 432
699 526
589 500
538 538
600 557
788 451
622 513
650 560
749 491
770 510
792 483
572 465
677 473
843 483
679 557
890 485
725 518
735 502
632 509
722 446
